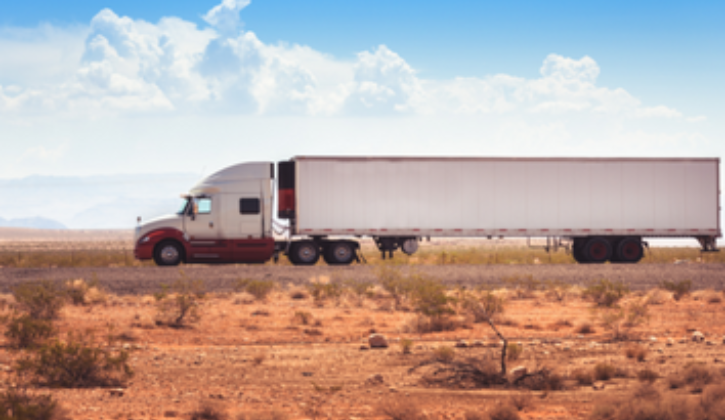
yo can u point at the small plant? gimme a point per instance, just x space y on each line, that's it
585 328
444 354
521 400
208 410
181 307
604 372
406 345
394 283
679 289
635 314
40 300
18 404
647 375
524 286
361 289
26 332
583 377
697 375
605 292
82 293
260 289
77 362
321 397
302 317
503 412
485 308
321 291
636 352
557 290
514 352
400 409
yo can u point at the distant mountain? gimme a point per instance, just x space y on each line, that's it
93 202
32 222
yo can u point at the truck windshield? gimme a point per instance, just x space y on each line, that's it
183 206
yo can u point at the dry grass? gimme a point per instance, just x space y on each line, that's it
636 351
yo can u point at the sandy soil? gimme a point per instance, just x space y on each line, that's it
249 355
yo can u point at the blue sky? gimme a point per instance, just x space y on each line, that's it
130 87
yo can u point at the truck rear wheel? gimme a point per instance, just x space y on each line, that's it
168 253
304 253
597 250
629 250
340 253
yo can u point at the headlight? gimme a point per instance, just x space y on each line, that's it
145 239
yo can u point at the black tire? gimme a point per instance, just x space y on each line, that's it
597 250
304 253
629 250
168 253
340 253
576 252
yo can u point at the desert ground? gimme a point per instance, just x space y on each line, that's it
301 350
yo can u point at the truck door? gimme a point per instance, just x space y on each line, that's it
202 227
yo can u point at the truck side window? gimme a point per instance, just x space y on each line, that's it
203 205
249 206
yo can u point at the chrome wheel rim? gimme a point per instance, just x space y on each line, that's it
342 252
169 254
306 253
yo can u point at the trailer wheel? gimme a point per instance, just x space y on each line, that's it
304 253
576 252
630 250
168 253
340 253
597 250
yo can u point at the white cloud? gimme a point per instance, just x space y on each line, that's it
172 66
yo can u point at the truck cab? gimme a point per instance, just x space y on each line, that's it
225 218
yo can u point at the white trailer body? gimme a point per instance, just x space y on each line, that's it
514 197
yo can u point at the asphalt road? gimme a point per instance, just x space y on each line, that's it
145 280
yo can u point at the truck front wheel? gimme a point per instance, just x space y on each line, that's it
168 253
304 253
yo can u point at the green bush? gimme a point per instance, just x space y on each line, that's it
77 362
40 299
679 289
606 293
26 332
260 289
181 306
19 405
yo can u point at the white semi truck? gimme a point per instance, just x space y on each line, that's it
599 208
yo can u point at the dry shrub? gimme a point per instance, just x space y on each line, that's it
302 317
263 415
40 299
209 410
18 404
503 412
426 324
182 306
604 372
521 400
514 352
78 362
636 351
474 415
562 323
26 332
583 377
657 297
647 375
260 289
557 290
406 345
698 375
585 328
444 354
679 289
400 409
543 380
605 292
82 293
297 294
713 399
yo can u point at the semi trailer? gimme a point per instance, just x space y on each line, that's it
599 209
